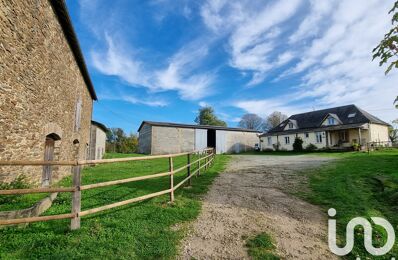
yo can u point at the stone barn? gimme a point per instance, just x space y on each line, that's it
97 140
46 95
164 138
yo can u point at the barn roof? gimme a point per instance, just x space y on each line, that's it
102 126
166 124
62 14
349 115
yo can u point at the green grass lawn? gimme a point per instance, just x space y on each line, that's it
261 247
359 184
142 230
293 153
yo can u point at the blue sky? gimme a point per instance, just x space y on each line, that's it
161 60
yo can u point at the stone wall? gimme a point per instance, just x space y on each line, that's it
172 140
238 142
40 87
145 139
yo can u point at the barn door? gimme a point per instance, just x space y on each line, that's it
48 156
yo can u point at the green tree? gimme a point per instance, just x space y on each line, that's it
119 142
206 116
298 144
387 50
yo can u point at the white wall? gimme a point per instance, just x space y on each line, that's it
100 143
311 139
221 141
378 133
200 139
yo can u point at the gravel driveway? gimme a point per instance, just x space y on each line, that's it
252 196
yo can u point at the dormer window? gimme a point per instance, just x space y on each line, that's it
291 126
331 121
352 115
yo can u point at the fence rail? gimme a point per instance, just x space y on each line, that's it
206 155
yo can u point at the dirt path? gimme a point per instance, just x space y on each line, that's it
251 197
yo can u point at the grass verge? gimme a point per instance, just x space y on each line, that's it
136 231
359 184
261 247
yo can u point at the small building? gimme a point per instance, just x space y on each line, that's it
338 127
45 90
97 140
164 138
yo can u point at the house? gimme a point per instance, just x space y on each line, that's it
165 138
337 127
97 140
46 94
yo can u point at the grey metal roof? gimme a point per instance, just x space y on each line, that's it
313 120
61 11
166 124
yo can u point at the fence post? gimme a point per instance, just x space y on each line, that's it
76 197
207 159
171 169
189 168
214 156
200 158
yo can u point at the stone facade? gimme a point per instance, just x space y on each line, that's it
167 139
238 142
145 139
42 91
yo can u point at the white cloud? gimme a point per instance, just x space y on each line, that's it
335 63
252 28
152 101
179 75
148 102
203 104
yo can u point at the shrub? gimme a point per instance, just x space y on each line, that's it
356 146
277 146
311 147
298 144
18 183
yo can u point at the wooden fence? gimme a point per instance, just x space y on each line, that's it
206 159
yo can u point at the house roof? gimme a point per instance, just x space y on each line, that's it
313 120
166 124
63 17
102 126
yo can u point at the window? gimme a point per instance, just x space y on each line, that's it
269 139
330 121
307 135
78 114
318 137
352 115
343 136
287 140
291 125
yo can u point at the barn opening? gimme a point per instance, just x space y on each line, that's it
49 156
211 138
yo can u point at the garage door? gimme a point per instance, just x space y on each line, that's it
200 139
221 141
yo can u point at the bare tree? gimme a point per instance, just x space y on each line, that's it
393 132
274 119
252 121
